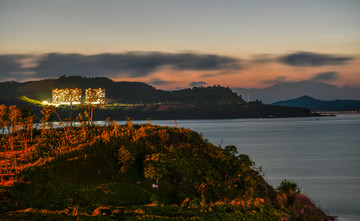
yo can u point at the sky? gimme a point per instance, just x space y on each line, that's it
177 44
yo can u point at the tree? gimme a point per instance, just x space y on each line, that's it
15 123
289 189
126 159
155 166
28 122
3 119
47 112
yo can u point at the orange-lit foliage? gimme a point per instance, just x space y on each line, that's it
16 138
125 159
183 158
19 147
186 167
176 155
155 166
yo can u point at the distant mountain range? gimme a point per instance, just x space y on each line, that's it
321 105
291 90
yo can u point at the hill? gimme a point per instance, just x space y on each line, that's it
289 90
140 101
131 172
321 105
120 92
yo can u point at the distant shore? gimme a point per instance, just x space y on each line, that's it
337 112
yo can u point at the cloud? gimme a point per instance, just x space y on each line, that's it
10 64
262 58
310 59
159 82
276 80
325 76
130 64
219 73
197 83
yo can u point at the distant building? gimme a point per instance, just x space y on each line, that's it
66 96
74 96
95 96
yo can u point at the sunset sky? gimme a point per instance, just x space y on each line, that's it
171 44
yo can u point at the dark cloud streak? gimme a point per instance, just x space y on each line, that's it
325 76
10 64
131 64
310 59
262 58
197 83
276 80
159 82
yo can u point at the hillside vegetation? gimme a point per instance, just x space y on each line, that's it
132 172
120 92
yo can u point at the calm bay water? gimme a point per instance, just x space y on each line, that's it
322 155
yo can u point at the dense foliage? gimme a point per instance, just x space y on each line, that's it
133 171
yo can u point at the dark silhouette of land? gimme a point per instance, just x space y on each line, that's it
290 90
321 105
141 101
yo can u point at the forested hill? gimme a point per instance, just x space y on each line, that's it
120 92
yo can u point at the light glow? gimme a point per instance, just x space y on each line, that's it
74 96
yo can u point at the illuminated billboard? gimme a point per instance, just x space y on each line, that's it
73 96
95 96
66 96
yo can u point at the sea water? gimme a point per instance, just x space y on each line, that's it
322 155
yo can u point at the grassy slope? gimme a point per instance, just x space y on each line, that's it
75 183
